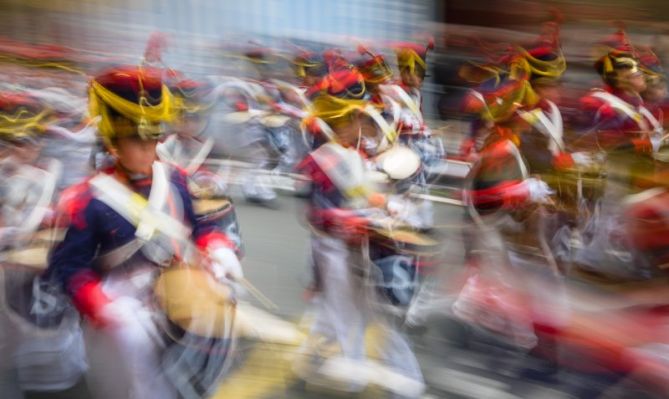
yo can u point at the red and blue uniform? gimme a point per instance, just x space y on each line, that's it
95 229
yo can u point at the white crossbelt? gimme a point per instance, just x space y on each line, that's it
625 108
406 99
550 125
146 215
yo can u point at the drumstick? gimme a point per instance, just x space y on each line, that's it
266 302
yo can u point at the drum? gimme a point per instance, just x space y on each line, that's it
195 302
220 211
498 164
200 313
41 328
578 184
49 236
33 257
401 258
406 242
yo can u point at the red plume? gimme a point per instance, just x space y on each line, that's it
155 46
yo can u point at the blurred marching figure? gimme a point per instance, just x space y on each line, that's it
290 105
413 131
311 68
508 197
377 73
616 122
72 136
266 111
148 275
40 340
402 259
655 95
189 147
344 213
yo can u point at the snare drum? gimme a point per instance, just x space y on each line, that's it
34 257
221 212
406 242
401 257
200 313
577 185
195 302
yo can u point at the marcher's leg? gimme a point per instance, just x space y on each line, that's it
124 362
340 308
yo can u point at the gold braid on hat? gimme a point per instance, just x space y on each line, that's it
531 65
408 59
145 118
334 110
22 124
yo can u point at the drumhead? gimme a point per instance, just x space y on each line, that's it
193 300
240 117
409 237
274 121
35 257
209 205
50 235
399 162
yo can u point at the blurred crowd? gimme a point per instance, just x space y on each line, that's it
121 253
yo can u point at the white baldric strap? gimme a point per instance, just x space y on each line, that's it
550 125
325 129
347 173
389 133
145 215
624 107
406 99
196 161
657 126
396 111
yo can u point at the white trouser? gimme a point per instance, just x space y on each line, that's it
342 311
124 358
9 381
345 308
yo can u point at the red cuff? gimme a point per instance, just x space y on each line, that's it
213 240
89 299
563 160
510 194
642 145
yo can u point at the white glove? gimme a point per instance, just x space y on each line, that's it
120 311
130 318
224 264
655 141
582 158
539 190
